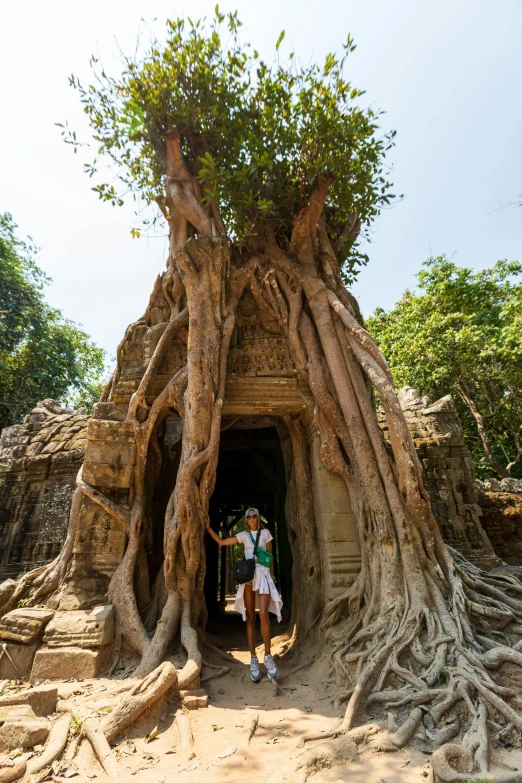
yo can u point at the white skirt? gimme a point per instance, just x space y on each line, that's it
262 584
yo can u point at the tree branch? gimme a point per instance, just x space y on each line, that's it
303 234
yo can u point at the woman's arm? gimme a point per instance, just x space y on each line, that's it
217 539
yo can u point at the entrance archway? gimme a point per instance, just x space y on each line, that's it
250 472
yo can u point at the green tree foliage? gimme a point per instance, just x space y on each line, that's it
461 333
42 354
256 136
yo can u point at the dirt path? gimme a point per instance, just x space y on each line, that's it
221 753
304 703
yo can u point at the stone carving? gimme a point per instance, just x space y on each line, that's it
255 351
81 628
25 625
39 460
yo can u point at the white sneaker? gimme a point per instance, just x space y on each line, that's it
255 671
271 668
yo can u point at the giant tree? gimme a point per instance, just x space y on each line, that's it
264 175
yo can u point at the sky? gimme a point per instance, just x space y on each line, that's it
447 75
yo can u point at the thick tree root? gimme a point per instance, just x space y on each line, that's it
445 760
55 746
93 732
185 733
12 770
140 698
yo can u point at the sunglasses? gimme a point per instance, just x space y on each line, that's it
251 516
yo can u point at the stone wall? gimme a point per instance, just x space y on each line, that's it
448 474
502 517
39 460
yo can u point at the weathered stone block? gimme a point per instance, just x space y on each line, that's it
103 475
112 453
194 699
109 410
100 429
41 699
24 625
61 663
81 628
338 526
16 660
20 728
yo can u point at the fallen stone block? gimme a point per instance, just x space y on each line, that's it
16 660
20 728
41 699
24 625
81 628
62 663
194 698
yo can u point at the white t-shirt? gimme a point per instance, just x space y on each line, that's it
244 538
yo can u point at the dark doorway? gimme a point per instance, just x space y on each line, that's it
250 472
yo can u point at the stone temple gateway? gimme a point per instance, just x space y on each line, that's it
263 401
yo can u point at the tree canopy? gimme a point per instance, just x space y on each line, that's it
42 354
255 136
461 334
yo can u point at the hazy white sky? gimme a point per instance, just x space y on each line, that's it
447 73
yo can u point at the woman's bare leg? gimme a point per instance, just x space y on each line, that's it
250 607
264 601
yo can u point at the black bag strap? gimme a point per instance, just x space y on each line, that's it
257 540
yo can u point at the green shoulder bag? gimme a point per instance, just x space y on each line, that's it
263 557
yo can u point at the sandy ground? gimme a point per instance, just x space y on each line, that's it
304 704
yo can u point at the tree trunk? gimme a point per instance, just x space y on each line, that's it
481 428
300 515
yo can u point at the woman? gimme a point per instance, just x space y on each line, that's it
260 593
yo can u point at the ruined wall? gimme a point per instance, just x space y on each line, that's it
39 460
501 505
448 474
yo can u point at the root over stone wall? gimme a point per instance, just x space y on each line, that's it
448 474
39 461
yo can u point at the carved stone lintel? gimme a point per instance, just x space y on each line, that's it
24 625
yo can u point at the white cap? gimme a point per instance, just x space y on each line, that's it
249 510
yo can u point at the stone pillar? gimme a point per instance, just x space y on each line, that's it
336 525
101 539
